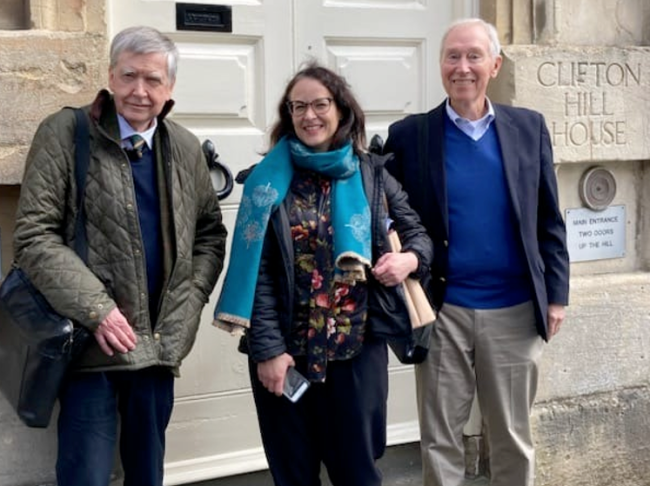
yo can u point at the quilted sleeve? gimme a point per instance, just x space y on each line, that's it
41 225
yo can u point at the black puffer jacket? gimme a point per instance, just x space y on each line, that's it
273 307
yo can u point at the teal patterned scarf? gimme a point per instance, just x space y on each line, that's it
264 190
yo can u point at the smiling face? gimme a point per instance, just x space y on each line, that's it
466 66
140 86
316 130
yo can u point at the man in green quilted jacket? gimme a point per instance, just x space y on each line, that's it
155 250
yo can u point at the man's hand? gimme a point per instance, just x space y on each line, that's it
273 371
393 268
115 334
555 319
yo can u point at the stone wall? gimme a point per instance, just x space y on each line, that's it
592 416
570 22
61 61
594 440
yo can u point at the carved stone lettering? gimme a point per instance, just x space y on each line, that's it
601 126
594 100
578 73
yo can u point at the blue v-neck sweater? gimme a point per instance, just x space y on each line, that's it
148 202
487 268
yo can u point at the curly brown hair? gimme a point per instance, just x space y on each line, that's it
352 126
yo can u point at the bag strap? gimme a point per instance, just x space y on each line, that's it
81 163
378 192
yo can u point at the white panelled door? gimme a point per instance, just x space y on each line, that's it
227 90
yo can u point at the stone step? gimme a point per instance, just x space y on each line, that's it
400 465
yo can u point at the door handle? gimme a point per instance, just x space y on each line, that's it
214 165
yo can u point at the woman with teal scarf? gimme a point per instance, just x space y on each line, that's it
309 243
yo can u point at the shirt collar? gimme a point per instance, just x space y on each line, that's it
127 130
475 129
456 118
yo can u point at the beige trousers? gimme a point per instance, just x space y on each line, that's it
495 352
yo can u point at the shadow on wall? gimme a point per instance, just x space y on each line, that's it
8 202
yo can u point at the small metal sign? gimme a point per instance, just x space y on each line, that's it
595 235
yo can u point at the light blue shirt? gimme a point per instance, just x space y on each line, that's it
474 129
127 131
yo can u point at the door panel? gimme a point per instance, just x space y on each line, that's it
386 78
227 90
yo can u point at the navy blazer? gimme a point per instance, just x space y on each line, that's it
418 145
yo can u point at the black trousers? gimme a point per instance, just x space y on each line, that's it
88 423
340 423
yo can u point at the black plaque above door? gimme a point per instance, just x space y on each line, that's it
210 18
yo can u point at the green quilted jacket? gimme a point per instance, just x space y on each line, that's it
193 235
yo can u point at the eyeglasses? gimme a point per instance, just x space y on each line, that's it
319 105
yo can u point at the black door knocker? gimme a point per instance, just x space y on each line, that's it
216 167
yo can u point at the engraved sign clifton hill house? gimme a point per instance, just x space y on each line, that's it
590 116
596 101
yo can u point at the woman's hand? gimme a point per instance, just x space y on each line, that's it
272 372
393 268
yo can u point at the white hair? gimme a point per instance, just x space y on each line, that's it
490 30
145 40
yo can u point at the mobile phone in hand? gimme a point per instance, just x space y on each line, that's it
294 384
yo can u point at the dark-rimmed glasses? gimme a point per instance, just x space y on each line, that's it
319 105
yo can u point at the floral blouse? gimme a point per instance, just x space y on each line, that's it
329 316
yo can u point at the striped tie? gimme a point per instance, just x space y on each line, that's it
138 144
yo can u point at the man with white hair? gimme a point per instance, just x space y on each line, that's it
481 177
155 250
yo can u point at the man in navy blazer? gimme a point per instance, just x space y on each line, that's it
481 177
